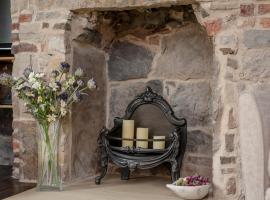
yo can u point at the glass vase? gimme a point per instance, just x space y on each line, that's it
48 159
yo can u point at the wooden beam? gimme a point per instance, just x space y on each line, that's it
10 58
5 106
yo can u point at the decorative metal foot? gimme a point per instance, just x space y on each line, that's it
175 172
102 175
125 173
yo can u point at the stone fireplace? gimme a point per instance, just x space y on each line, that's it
200 55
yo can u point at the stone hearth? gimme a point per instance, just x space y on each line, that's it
200 55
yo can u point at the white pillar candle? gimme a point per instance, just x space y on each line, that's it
142 133
127 133
159 144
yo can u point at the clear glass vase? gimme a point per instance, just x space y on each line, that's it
48 159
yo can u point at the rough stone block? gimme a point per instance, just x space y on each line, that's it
128 61
257 38
89 116
15 26
25 18
256 63
27 130
265 22
232 121
122 94
227 160
24 47
15 37
57 44
198 160
48 15
263 9
62 26
247 10
231 186
190 100
175 61
233 63
213 26
199 142
229 142
45 25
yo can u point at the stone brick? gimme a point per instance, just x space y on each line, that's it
257 38
226 51
92 37
246 22
256 63
198 160
62 26
48 15
263 9
231 186
229 142
57 44
45 25
213 26
122 94
265 22
227 160
199 142
90 114
224 5
128 61
188 169
190 100
15 26
25 18
24 47
233 63
175 61
28 133
15 37
228 171
231 121
247 10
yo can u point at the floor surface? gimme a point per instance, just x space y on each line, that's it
146 188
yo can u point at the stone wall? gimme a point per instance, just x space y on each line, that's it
239 32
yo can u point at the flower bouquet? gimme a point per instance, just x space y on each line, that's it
190 187
49 99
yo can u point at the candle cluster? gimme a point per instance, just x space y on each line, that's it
142 135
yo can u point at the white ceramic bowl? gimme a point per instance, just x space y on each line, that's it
190 192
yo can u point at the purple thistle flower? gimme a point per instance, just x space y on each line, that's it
63 96
64 66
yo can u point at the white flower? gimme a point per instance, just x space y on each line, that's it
78 72
29 94
36 85
39 99
63 104
31 77
71 81
63 111
91 84
39 75
54 86
51 118
52 108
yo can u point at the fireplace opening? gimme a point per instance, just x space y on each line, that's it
164 48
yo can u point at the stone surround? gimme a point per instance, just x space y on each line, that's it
229 44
